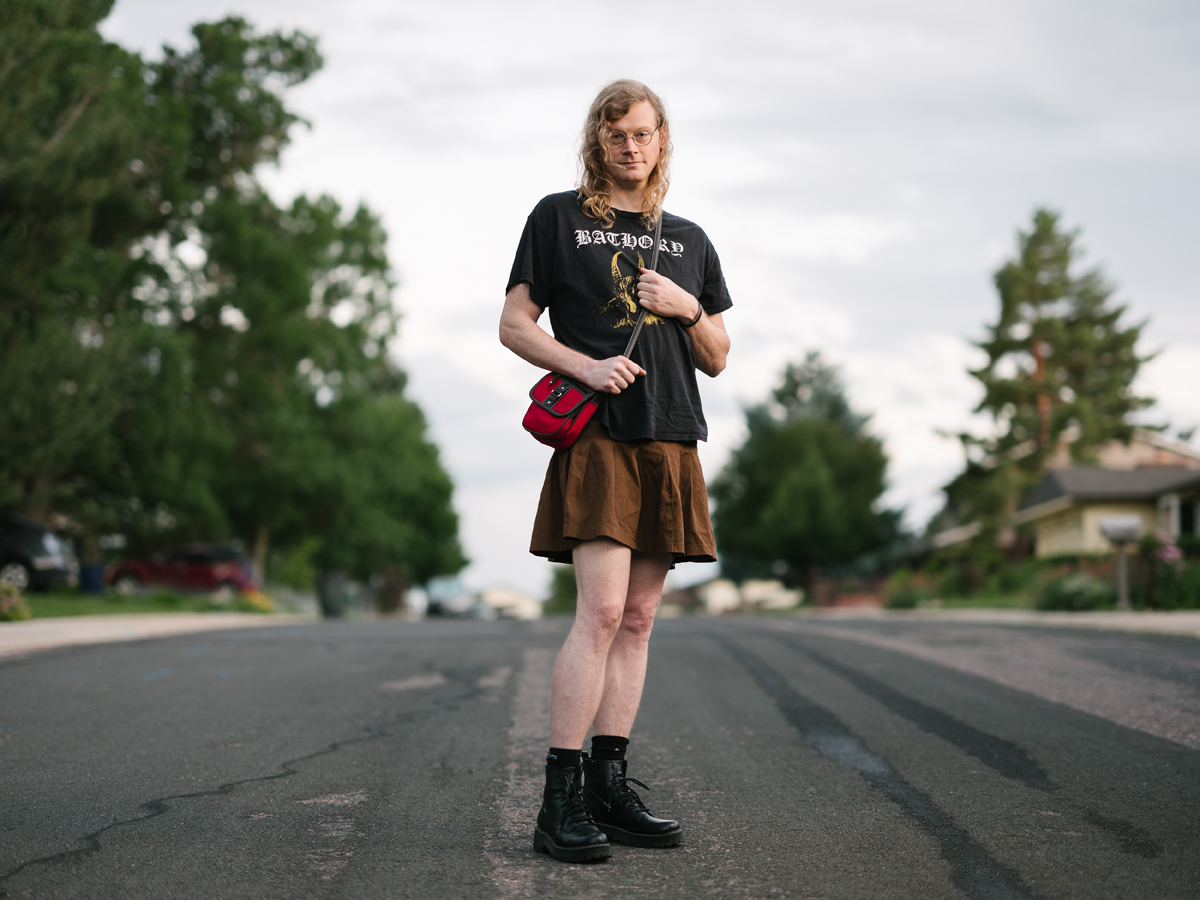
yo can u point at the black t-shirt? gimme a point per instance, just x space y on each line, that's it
587 275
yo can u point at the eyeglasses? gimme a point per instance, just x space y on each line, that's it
617 139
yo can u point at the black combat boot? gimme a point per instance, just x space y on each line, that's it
564 828
616 807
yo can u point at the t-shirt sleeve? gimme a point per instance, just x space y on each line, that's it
714 295
534 262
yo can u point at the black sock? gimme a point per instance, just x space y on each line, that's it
608 746
559 758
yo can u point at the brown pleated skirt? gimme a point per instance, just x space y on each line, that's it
647 495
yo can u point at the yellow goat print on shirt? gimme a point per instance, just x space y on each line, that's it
625 287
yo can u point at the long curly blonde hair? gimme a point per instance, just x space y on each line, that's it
614 101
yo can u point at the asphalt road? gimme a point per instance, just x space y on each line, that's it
815 760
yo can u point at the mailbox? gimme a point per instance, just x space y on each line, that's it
1121 529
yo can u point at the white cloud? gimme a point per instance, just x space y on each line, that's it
861 166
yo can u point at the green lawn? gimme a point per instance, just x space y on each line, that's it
53 605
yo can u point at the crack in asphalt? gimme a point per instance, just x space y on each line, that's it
972 870
161 805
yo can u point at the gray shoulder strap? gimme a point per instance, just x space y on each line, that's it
637 328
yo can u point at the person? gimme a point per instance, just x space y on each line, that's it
627 501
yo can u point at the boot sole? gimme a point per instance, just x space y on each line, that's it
543 844
633 839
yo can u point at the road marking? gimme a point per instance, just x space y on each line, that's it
416 683
496 679
351 799
528 737
329 862
150 676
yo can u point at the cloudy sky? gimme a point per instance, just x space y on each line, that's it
862 168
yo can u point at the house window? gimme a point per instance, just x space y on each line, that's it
1187 517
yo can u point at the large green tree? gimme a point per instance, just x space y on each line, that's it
66 138
804 489
103 154
180 356
1059 360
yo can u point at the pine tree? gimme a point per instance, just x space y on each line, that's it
1058 359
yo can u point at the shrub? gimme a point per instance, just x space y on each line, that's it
13 607
954 582
1016 578
1076 593
905 590
1172 587
254 601
904 598
562 591
295 568
1190 545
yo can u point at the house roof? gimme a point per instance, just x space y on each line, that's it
1095 483
1182 448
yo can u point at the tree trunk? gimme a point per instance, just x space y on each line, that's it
1043 399
262 542
392 586
37 497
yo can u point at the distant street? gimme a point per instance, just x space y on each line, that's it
807 759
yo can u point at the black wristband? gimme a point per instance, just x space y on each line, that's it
699 313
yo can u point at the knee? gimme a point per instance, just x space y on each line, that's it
603 620
638 621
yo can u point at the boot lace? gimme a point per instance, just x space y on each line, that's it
628 795
577 812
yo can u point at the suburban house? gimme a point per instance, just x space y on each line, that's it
1152 477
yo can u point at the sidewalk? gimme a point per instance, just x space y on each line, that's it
1184 623
21 638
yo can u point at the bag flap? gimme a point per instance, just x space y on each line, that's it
559 396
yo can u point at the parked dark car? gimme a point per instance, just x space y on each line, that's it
203 568
32 557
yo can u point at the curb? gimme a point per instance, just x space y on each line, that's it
1182 622
21 638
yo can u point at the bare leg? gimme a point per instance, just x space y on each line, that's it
602 665
625 673
602 576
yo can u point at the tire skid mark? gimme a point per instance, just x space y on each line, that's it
415 683
1003 756
1050 669
972 870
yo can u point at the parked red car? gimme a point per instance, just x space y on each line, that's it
202 568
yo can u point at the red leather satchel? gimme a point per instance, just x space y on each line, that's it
561 407
560 410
